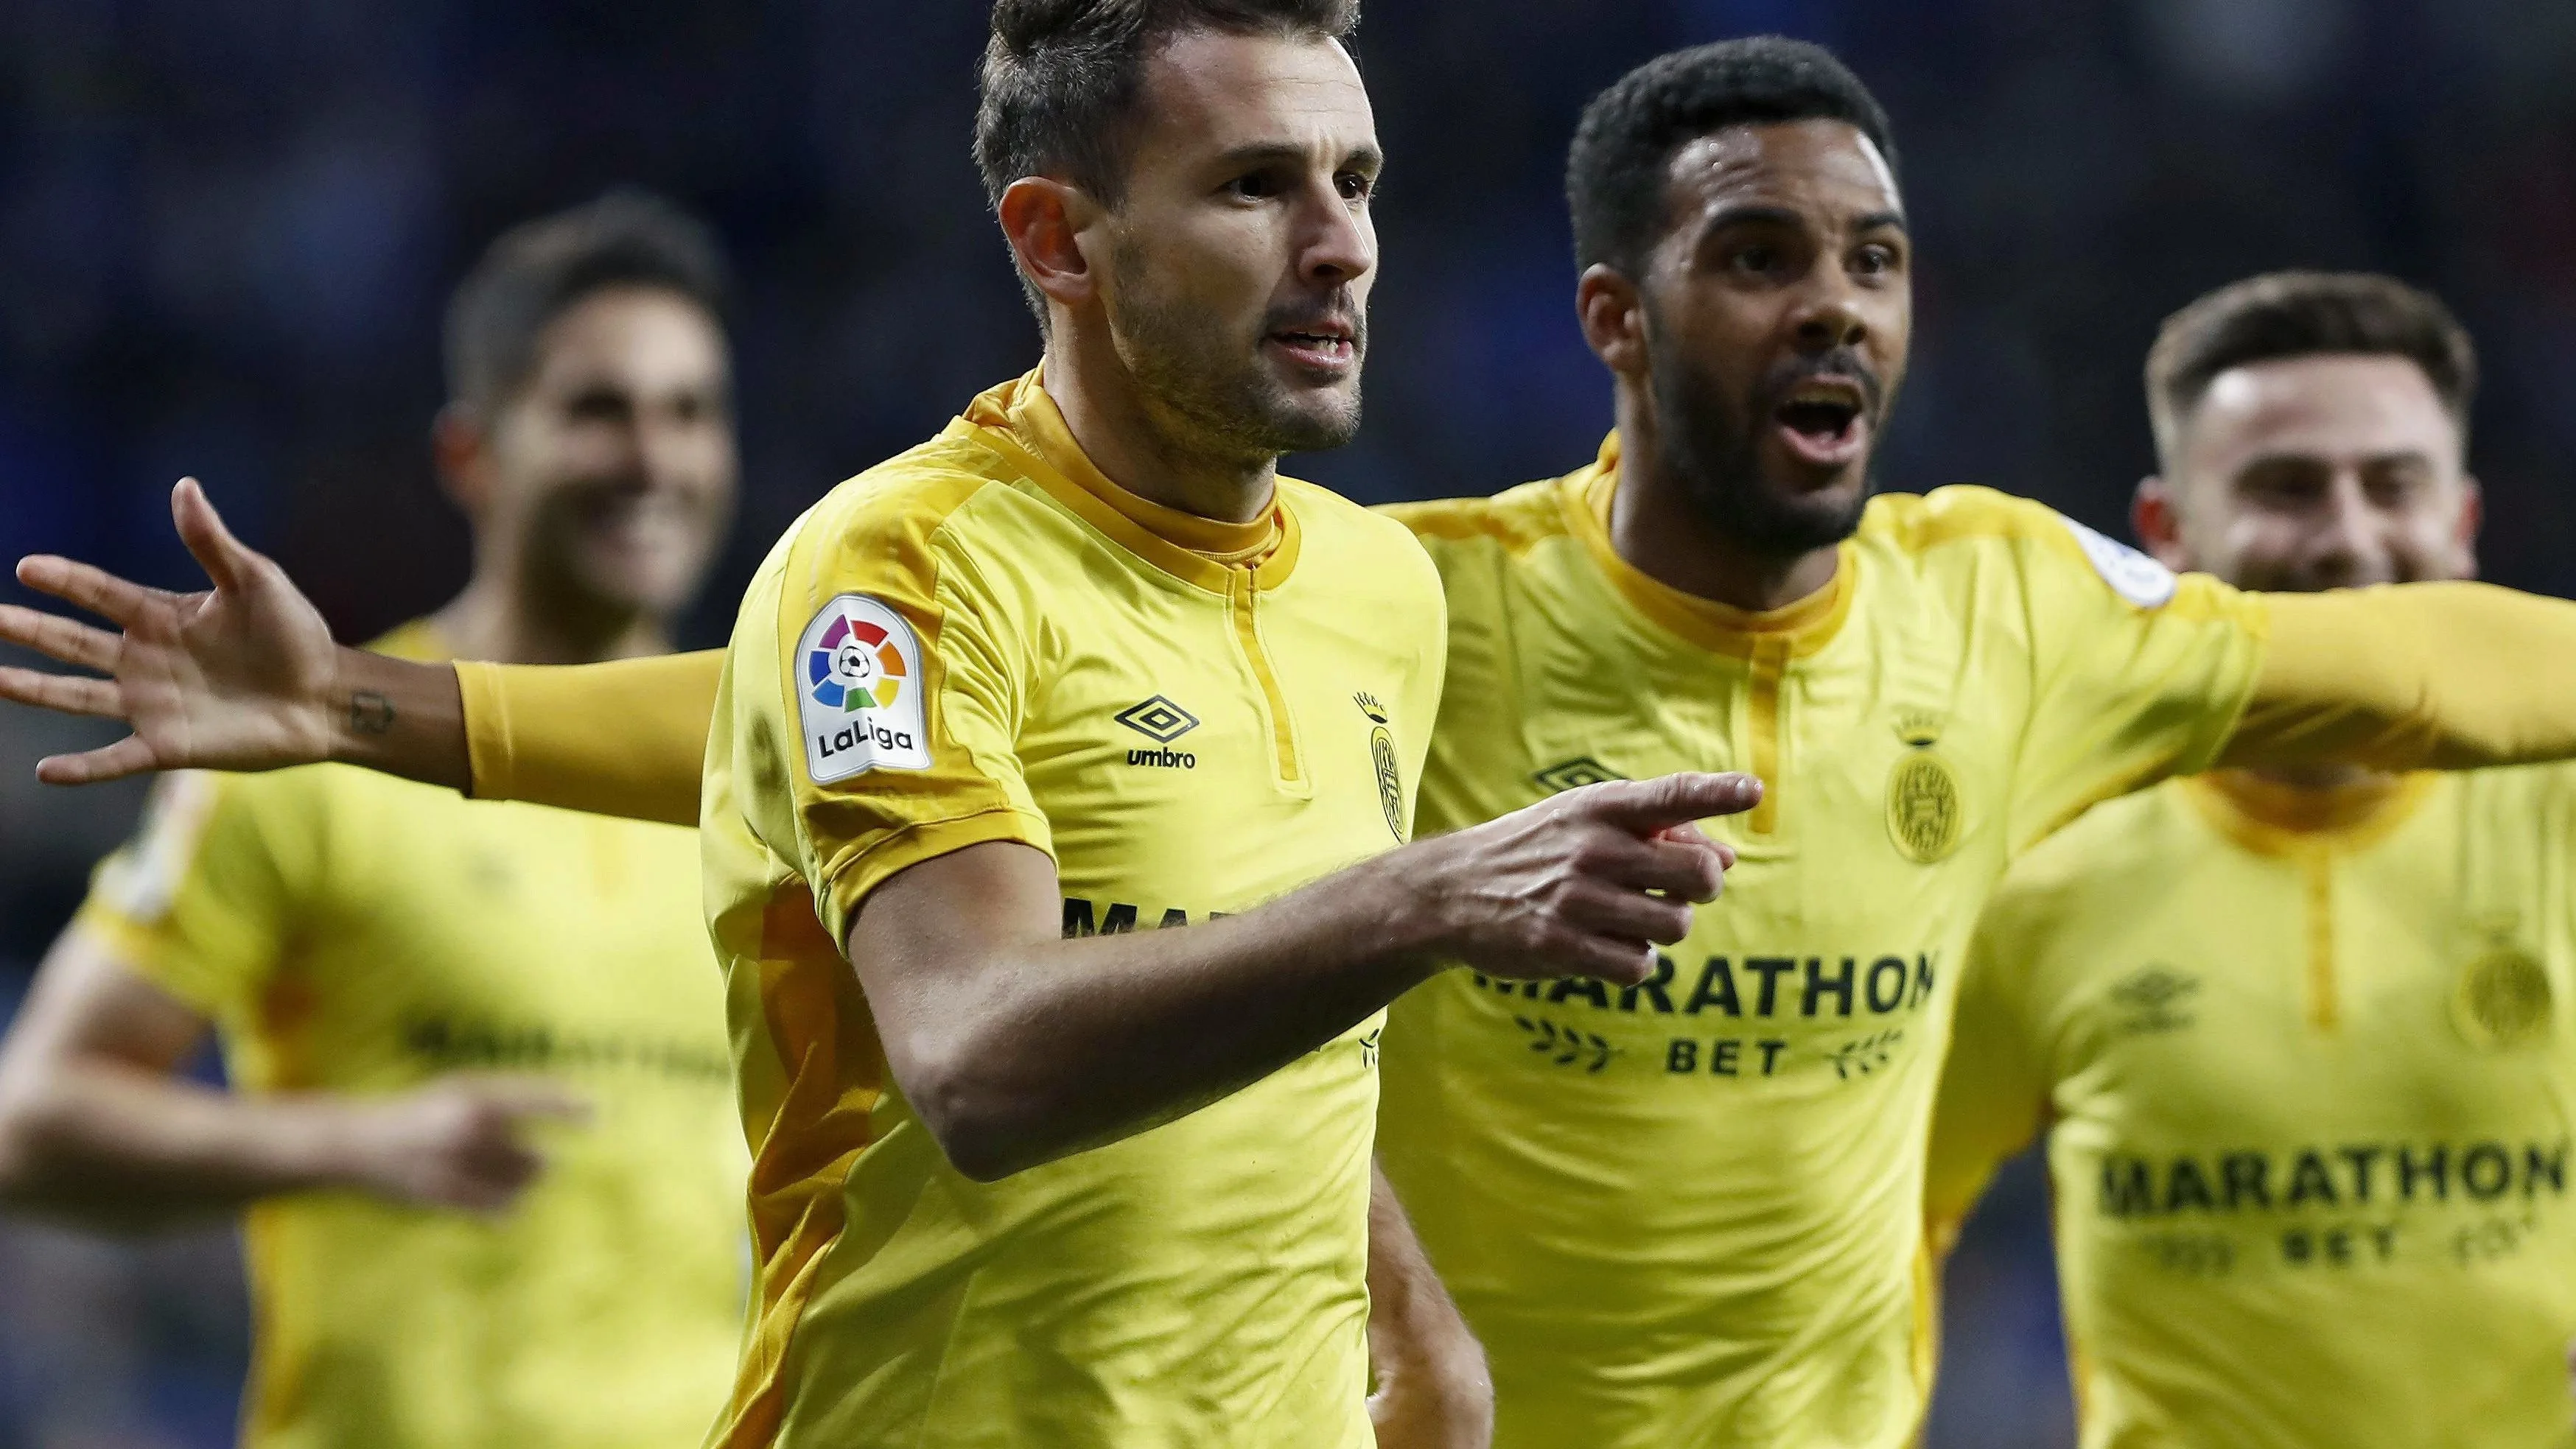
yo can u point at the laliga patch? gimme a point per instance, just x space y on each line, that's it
859 691
2132 575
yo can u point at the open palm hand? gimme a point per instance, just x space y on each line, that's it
236 677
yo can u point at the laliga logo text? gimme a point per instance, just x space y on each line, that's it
861 704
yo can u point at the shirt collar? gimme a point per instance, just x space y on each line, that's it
1796 629
1020 420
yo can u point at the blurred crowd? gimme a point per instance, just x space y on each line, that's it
227 226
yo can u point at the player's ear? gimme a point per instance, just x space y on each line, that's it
1045 220
462 447
2473 515
1613 315
2157 522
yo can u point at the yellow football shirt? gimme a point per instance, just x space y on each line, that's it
980 640
1688 1212
349 932
2313 1086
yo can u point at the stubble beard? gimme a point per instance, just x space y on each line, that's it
1714 450
1213 398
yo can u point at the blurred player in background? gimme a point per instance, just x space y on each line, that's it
2297 1036
414 991
1684 1209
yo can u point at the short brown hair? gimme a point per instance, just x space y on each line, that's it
1061 77
539 270
2305 314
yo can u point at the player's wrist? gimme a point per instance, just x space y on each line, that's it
353 709
396 715
344 1145
1415 901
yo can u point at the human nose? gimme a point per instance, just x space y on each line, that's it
2350 542
1339 245
1829 315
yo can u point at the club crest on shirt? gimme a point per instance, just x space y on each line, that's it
2503 999
859 691
1923 808
1390 775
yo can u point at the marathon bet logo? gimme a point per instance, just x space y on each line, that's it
1573 774
1160 720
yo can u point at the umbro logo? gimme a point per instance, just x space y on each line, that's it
1579 771
1158 719
2155 998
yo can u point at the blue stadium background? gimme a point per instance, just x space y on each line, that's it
226 227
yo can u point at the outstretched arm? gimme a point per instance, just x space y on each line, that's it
1016 1047
243 675
2410 676
96 1126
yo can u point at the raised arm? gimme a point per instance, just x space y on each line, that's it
243 675
1017 1047
2413 676
98 1127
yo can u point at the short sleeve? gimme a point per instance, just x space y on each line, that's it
2138 673
898 681
199 902
1994 1083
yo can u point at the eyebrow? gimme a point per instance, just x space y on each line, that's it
2278 457
1271 153
1783 216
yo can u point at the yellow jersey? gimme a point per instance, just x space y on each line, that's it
350 932
984 639
1688 1212
2312 1084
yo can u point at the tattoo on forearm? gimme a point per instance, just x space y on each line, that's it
370 713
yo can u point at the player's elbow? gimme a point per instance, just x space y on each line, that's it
987 1126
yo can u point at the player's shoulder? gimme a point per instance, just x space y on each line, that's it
1959 513
912 495
1966 528
1358 538
1508 524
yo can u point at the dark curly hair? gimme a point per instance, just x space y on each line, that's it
539 270
1615 174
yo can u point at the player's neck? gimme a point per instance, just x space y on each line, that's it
1117 429
1655 528
507 625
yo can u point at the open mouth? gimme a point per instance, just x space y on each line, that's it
1824 421
1326 347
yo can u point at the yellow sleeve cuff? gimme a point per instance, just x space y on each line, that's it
863 871
626 738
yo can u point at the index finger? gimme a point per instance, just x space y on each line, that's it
1645 806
